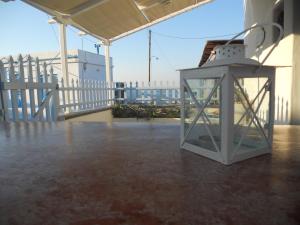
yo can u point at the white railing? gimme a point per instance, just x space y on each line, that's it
27 94
30 91
85 95
162 93
281 111
281 116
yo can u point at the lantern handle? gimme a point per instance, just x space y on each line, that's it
262 26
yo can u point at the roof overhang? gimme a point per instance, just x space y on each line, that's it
109 20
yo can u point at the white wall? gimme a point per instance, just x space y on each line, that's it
261 11
92 66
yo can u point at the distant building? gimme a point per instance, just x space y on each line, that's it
81 64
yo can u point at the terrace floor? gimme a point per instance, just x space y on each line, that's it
88 173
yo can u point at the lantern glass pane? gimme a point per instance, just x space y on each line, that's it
251 107
202 129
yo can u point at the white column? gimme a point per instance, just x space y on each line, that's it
64 56
109 77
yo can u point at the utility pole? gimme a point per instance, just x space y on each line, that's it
149 66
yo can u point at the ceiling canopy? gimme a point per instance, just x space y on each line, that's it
110 20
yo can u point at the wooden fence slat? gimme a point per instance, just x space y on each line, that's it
23 91
4 97
73 95
78 95
101 93
55 97
48 115
39 90
94 93
31 90
63 95
14 100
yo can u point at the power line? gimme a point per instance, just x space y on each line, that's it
53 30
163 53
192 38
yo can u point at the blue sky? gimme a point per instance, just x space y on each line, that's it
25 29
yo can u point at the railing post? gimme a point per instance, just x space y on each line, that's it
23 88
78 95
112 93
278 103
94 95
160 93
63 95
55 96
97 93
287 112
282 106
83 99
48 115
106 94
73 95
31 90
136 91
12 80
88 91
130 92
39 88
4 113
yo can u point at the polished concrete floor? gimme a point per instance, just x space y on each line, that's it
135 174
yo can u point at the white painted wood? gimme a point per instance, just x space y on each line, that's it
63 106
45 75
78 95
271 108
94 94
14 100
4 93
31 90
83 98
229 154
23 91
227 118
55 98
107 63
38 81
73 95
64 58
98 94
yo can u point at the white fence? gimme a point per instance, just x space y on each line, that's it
30 91
281 116
85 95
281 111
157 93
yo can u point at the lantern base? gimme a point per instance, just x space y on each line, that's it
223 158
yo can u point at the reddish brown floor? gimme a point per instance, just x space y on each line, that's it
93 173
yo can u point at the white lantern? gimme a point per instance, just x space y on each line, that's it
227 106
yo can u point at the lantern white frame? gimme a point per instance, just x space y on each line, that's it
227 75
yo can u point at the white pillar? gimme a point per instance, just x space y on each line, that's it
64 56
295 103
109 77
